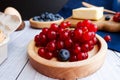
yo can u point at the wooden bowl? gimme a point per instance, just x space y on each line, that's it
69 70
38 24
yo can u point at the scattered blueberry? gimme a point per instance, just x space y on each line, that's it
107 18
47 17
63 55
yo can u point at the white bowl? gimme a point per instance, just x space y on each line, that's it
3 49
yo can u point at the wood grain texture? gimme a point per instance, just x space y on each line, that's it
69 70
109 25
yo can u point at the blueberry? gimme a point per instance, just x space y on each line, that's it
46 20
63 55
51 15
46 13
107 18
46 16
57 16
36 18
41 20
42 16
54 19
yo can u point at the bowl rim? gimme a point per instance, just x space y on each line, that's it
4 41
45 22
40 60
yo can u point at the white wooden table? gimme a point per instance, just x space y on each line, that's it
18 67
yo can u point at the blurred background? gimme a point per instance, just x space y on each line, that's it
30 8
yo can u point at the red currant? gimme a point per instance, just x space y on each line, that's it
55 53
92 27
76 49
85 47
44 31
51 35
38 44
68 23
71 33
117 13
64 35
68 43
80 25
41 52
36 39
116 17
95 40
73 58
48 55
82 55
60 44
51 46
86 22
60 30
87 36
84 29
43 39
54 27
107 38
78 33
91 44
63 25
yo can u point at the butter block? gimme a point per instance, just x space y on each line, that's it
92 13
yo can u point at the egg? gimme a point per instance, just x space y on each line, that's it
13 11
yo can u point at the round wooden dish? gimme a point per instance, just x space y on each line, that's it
38 24
69 70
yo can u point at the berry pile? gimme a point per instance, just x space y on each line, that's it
47 17
67 44
116 17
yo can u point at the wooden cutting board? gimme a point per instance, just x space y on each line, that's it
102 24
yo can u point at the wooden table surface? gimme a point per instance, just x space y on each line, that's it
18 67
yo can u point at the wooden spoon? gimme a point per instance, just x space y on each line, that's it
105 10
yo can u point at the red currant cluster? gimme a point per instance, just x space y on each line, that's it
116 17
69 44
